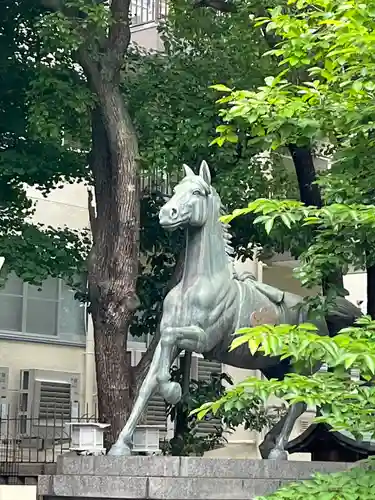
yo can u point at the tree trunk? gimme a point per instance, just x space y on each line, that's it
310 195
306 175
113 260
114 257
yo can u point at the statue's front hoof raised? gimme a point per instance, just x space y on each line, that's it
120 450
171 392
278 454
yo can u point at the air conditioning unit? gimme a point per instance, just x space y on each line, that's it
202 369
156 411
47 401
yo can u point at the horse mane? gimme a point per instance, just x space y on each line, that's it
227 236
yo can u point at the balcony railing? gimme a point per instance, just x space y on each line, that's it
147 11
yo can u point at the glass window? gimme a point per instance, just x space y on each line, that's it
69 322
48 310
41 317
48 291
10 313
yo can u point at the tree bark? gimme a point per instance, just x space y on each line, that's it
114 257
306 175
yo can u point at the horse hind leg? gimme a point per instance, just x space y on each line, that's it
276 440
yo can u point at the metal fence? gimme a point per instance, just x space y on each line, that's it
40 439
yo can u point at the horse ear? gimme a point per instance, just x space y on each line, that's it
204 172
188 171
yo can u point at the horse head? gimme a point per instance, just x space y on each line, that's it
190 203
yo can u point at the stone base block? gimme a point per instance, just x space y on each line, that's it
173 478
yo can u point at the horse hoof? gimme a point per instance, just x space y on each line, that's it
171 392
278 454
120 450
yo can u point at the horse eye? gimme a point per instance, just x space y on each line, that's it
196 192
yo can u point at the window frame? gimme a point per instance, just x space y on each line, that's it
62 338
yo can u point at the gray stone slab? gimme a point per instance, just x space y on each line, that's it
257 469
173 478
44 484
209 488
74 464
119 466
94 487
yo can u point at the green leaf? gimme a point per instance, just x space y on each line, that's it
370 362
269 80
286 219
221 88
269 225
238 341
349 360
357 85
253 345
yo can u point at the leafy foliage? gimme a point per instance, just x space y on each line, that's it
31 250
188 440
322 92
330 44
178 118
347 403
343 232
355 484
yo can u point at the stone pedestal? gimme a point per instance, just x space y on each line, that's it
172 478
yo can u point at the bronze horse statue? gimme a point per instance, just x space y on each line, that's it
211 302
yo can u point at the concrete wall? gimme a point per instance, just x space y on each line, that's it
17 492
147 36
62 207
356 285
28 355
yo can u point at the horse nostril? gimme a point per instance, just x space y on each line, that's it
174 213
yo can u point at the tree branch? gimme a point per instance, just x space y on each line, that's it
118 37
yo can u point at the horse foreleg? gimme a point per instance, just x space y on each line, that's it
124 441
189 338
194 339
282 437
171 391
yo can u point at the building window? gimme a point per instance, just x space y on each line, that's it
49 311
